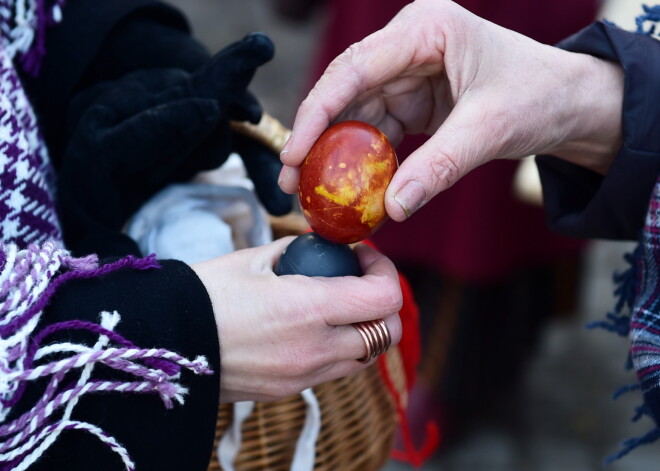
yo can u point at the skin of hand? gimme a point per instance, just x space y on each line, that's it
481 92
281 335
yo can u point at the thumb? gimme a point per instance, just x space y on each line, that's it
456 148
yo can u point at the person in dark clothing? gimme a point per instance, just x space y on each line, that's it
99 111
587 109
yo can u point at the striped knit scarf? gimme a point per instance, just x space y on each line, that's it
33 265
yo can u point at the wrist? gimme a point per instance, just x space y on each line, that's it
592 118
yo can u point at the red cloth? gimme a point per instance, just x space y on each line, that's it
477 230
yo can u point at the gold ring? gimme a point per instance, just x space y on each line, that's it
376 337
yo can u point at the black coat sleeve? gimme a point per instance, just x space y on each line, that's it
581 203
160 308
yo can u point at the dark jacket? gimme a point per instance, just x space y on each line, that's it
582 203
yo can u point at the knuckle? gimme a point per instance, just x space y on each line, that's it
378 298
347 57
444 172
316 103
308 102
395 328
346 65
391 297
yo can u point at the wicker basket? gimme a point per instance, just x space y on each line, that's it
358 417
358 413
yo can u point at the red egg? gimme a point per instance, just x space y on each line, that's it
343 181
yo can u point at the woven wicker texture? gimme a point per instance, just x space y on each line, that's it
357 430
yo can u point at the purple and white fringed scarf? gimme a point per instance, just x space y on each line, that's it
23 26
27 213
33 265
28 278
637 316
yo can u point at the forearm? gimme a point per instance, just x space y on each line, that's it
593 113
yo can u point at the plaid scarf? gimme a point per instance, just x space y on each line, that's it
637 316
637 312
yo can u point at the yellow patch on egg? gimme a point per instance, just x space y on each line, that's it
372 211
344 196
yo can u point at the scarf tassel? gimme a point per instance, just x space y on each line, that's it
28 279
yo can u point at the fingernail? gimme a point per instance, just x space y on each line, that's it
287 145
283 174
411 197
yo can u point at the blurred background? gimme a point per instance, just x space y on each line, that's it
546 406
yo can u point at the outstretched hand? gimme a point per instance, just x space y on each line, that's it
481 91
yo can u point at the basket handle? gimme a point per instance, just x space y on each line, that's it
269 131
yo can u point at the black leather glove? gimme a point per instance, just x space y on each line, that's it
133 136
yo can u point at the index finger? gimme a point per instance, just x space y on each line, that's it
362 67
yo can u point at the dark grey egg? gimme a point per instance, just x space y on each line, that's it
311 255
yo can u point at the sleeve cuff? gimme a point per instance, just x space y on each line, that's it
581 203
